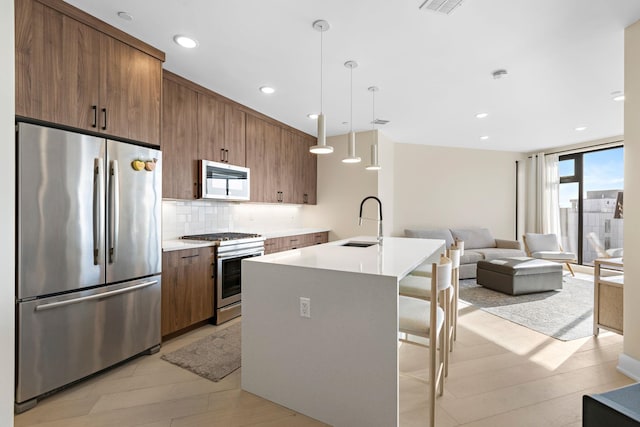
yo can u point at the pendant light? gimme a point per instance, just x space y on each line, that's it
351 145
322 148
374 166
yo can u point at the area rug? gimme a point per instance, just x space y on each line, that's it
212 357
565 314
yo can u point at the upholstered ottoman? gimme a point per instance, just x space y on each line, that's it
519 275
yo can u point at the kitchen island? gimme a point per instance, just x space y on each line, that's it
320 327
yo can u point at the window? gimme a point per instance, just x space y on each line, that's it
591 186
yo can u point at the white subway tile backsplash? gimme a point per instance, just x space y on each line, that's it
203 216
183 209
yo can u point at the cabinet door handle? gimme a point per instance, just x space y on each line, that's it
305 198
226 155
190 256
95 116
222 154
104 115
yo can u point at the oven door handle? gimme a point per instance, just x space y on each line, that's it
238 254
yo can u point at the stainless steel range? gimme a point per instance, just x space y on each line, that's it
231 249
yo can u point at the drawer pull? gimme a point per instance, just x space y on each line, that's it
96 296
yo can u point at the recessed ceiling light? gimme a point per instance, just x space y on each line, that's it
484 137
313 116
581 128
481 115
126 16
185 41
267 89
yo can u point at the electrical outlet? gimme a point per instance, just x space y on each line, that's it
305 307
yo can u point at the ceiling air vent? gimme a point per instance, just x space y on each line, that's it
379 122
442 6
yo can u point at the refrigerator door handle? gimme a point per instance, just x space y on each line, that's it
114 211
96 296
98 208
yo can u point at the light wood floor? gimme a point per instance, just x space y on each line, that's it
501 374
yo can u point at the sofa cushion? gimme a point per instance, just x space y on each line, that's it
495 253
569 256
431 233
471 257
474 237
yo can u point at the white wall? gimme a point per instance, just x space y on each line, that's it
7 212
386 179
341 188
454 187
630 360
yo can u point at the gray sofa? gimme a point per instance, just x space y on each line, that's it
479 244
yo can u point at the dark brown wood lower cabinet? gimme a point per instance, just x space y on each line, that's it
279 244
187 288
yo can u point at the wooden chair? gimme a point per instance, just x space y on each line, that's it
601 252
459 244
413 286
426 319
547 247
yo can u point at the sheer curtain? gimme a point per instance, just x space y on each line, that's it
551 199
542 201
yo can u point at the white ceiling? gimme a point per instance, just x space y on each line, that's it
564 59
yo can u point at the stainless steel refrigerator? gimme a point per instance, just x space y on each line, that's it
89 256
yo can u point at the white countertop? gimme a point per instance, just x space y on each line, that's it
180 244
396 257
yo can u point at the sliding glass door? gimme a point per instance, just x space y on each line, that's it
591 188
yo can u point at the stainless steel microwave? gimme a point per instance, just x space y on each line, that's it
223 181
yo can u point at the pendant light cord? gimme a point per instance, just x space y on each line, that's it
373 112
351 104
321 105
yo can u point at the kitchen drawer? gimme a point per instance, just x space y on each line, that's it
296 241
67 337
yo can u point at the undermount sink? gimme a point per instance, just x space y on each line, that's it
359 244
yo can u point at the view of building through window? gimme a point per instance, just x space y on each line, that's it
594 221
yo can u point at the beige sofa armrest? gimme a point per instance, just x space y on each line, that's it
508 244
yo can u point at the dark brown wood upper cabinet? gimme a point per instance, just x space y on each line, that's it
221 131
179 141
211 128
310 172
282 169
263 151
72 74
235 135
289 164
130 88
